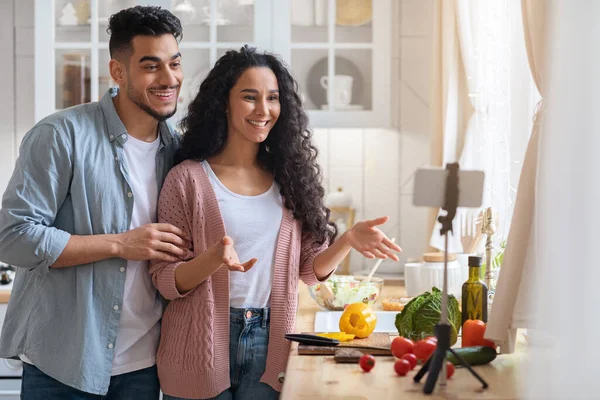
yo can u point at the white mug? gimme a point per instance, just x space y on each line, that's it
342 95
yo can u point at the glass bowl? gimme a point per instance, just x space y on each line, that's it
344 290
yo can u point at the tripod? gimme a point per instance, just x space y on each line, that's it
437 362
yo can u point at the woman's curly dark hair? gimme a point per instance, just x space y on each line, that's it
287 153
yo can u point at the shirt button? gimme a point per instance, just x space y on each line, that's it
129 194
123 136
110 346
111 137
281 377
122 269
116 308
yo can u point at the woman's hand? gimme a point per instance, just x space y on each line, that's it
230 258
368 240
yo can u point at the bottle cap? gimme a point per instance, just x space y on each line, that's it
474 261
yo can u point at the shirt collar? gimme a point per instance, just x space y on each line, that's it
116 130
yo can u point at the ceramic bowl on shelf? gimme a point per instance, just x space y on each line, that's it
341 290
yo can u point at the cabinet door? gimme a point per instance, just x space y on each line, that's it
339 52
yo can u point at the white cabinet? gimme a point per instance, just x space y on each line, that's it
338 50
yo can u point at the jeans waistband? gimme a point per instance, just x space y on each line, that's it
250 315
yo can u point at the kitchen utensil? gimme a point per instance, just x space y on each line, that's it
312 340
376 343
377 264
343 66
346 289
342 90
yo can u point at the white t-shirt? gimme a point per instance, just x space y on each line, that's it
141 311
253 222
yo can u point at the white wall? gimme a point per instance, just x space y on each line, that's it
16 104
7 100
375 165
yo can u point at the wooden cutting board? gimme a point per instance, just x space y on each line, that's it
377 339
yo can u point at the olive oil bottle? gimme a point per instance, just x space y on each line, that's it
474 293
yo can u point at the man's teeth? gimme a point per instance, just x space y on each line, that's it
258 123
162 94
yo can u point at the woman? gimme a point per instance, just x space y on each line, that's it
247 188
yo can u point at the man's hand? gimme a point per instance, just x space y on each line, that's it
230 258
163 242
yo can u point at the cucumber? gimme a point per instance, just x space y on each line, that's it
476 355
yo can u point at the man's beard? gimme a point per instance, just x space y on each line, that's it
136 98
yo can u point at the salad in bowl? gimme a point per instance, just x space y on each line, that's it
341 290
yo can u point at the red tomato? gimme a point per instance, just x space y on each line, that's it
411 358
424 349
401 346
366 362
449 369
402 367
432 339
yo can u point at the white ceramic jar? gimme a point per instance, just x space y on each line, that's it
432 273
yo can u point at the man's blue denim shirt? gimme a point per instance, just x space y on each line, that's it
70 178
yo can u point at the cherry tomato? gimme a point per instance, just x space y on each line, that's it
424 349
449 369
432 339
401 346
366 362
411 358
402 367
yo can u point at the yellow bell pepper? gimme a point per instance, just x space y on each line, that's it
341 336
358 319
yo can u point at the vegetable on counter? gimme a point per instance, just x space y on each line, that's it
449 369
422 313
402 346
473 332
424 349
411 358
366 362
341 336
476 355
358 319
402 367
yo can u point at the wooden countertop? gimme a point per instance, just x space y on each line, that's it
320 378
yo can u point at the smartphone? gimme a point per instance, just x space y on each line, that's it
430 187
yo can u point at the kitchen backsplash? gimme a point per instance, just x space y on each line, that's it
376 167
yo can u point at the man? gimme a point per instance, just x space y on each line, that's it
78 219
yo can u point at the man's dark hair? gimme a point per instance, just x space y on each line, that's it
140 20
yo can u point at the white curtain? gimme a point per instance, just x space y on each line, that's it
564 353
484 37
520 260
451 108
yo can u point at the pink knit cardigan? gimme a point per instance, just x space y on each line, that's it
193 355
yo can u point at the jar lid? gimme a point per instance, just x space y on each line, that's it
438 257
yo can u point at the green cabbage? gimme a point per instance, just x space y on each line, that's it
420 315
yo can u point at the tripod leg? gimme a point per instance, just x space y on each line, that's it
423 370
467 366
435 368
